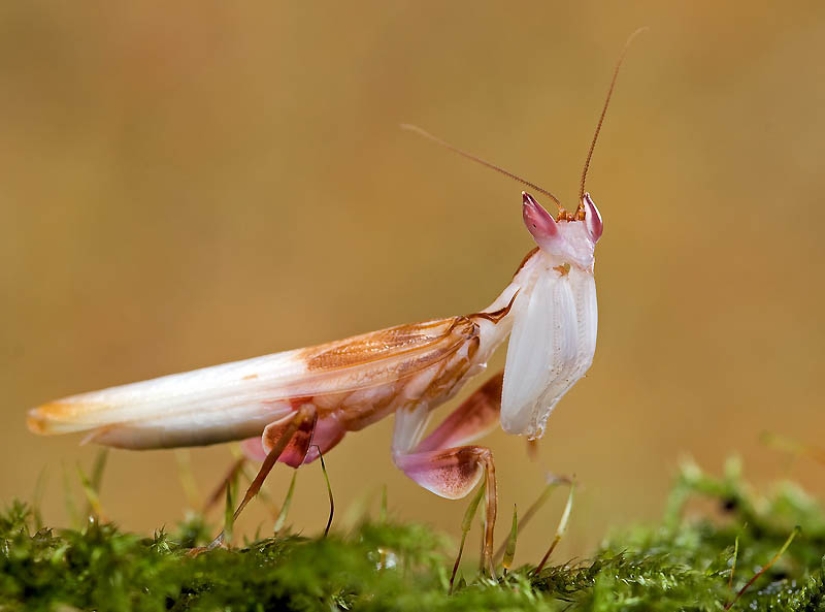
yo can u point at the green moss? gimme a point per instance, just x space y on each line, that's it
676 565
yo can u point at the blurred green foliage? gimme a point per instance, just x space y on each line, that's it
684 563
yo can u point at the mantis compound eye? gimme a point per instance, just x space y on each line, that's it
540 223
592 218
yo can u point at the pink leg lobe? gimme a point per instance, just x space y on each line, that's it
327 434
477 416
443 462
295 431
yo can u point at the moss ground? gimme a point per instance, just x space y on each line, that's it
697 563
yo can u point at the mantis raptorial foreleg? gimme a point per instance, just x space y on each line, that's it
445 463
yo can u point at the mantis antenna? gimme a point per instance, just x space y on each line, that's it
478 160
580 212
580 209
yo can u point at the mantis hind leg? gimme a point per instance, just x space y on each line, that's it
292 434
445 463
328 432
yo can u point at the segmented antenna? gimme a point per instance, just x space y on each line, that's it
478 160
580 209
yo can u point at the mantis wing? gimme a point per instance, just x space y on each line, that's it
237 400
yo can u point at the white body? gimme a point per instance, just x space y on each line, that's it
293 406
551 344
550 306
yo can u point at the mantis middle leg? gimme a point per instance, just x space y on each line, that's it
444 462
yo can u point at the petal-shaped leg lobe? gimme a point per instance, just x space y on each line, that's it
300 425
327 434
441 464
476 416
451 473
298 444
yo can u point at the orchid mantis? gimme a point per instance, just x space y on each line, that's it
290 407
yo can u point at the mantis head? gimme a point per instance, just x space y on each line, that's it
572 238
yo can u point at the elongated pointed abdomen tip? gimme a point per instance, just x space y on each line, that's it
37 423
55 418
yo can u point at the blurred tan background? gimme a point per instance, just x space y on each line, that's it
186 185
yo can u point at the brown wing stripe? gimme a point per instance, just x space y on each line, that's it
394 340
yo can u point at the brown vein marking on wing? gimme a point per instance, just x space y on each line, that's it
389 358
393 342
446 374
447 378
